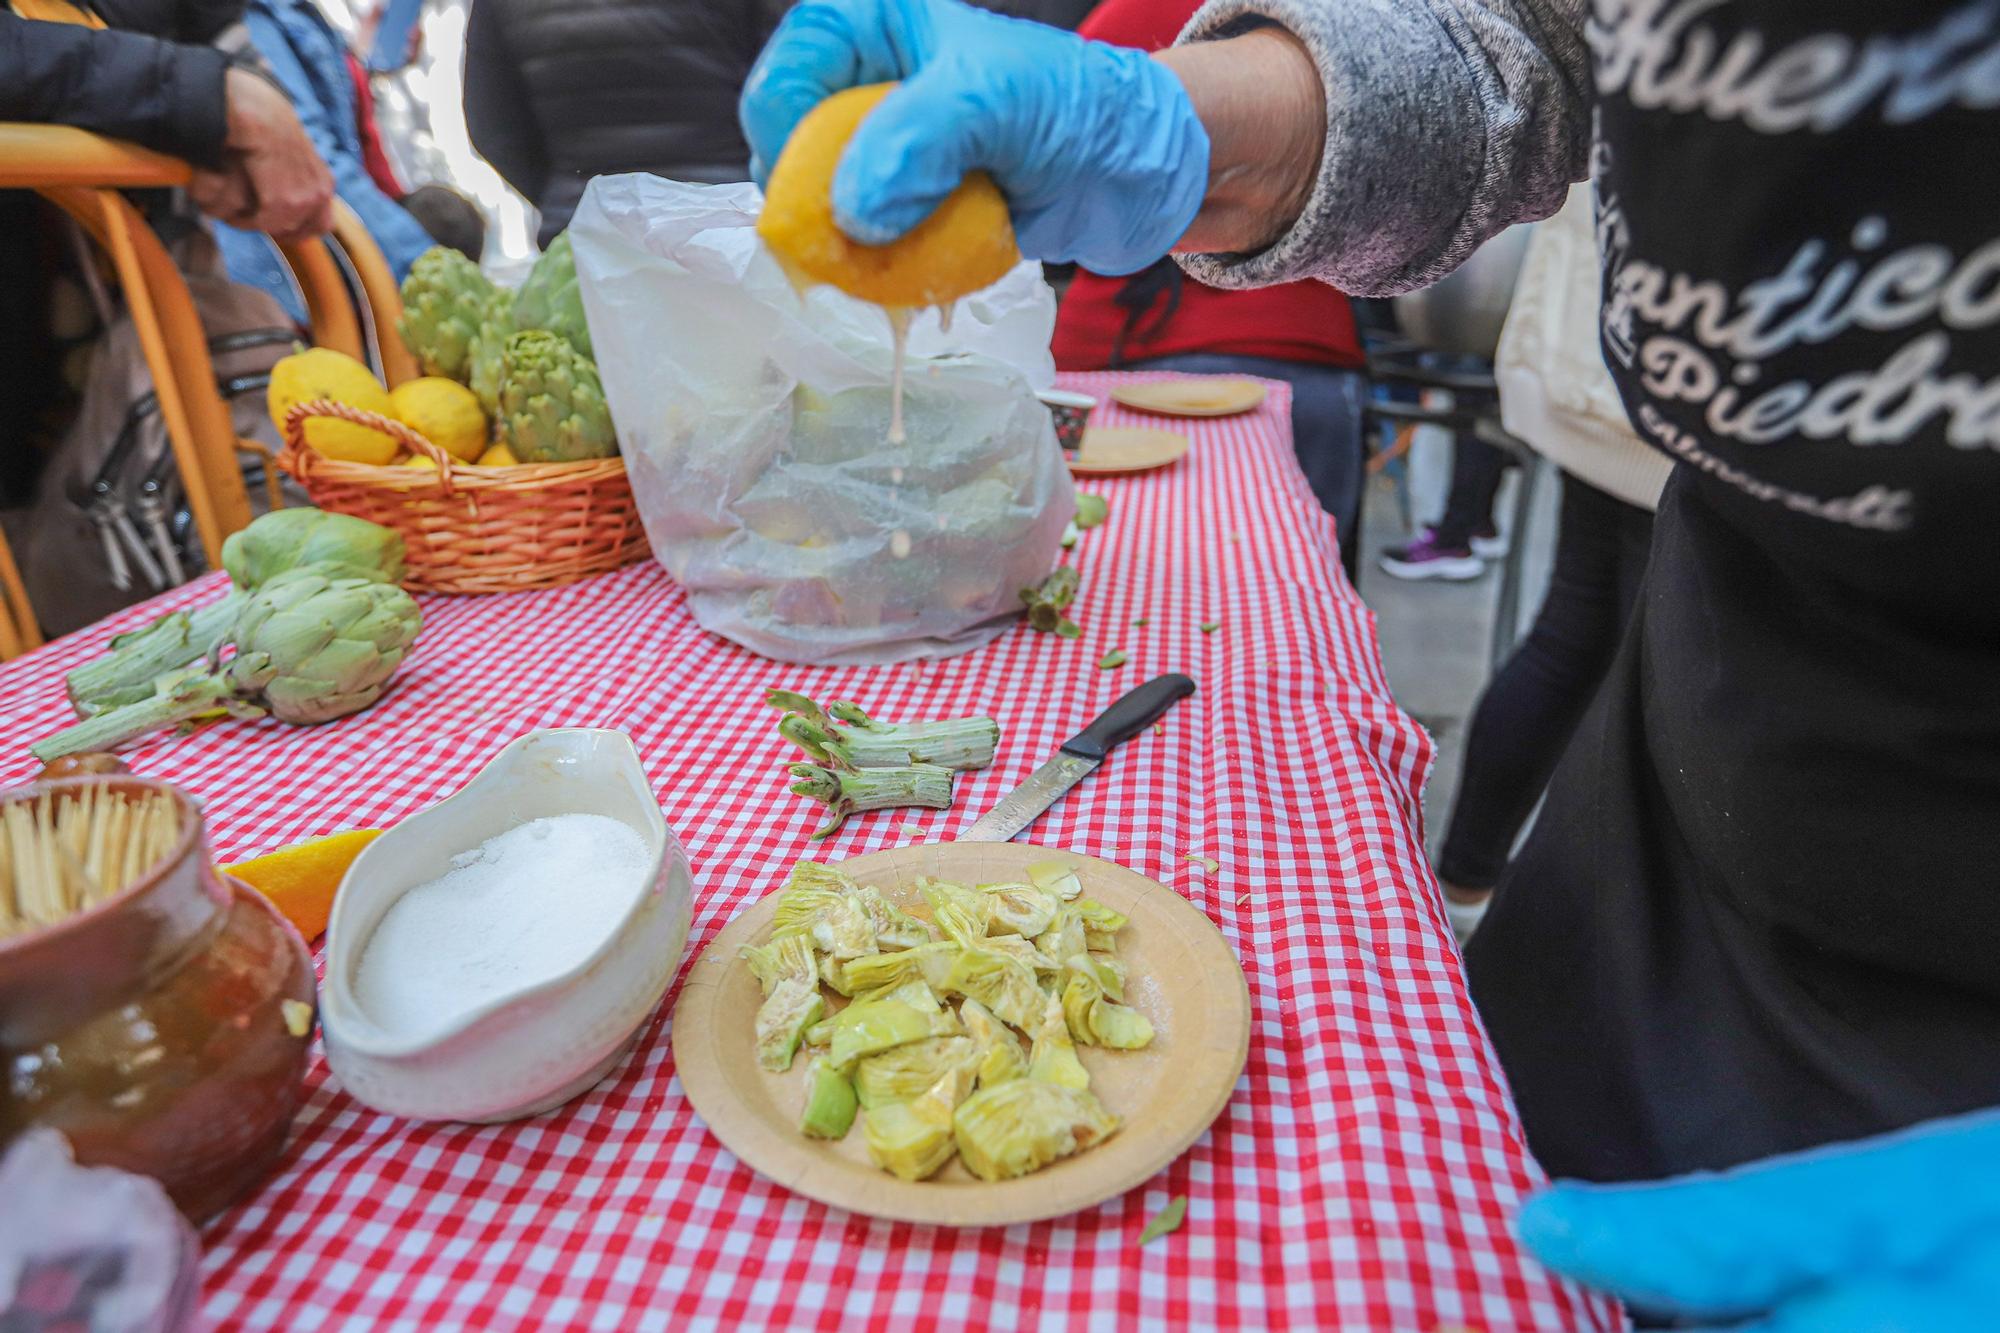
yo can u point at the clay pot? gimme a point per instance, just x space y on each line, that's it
151 1029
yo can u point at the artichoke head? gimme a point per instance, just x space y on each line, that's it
488 352
286 539
552 407
317 645
443 300
550 298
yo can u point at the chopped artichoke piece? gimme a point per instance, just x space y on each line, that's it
1101 967
781 958
1057 878
961 913
1053 1057
800 908
1022 951
1064 938
929 963
818 875
820 1033
1096 916
830 1103
870 1026
1001 983
998 1049
912 1139
1097 1021
894 928
1100 925
905 1072
1019 909
792 1006
1021 1126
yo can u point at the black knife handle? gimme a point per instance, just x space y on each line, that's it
1133 712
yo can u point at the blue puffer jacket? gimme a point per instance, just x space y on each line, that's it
309 60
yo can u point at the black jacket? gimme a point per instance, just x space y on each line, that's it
558 91
153 79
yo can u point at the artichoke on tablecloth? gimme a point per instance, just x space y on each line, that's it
551 299
552 407
444 299
311 645
281 540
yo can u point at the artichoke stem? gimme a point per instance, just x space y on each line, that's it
961 743
127 673
190 697
1047 603
847 793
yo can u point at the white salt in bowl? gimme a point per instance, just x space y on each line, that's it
528 1050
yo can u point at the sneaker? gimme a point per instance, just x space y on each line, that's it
1489 543
1425 559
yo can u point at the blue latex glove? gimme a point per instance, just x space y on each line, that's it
1897 1234
1096 147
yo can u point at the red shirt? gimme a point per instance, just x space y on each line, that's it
1296 321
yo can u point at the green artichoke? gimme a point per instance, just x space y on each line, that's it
552 407
489 348
443 300
550 298
312 645
282 540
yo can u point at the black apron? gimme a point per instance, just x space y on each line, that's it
1761 909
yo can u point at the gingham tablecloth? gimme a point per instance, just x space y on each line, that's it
1363 1177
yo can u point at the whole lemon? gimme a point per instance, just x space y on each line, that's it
444 412
966 244
499 456
320 372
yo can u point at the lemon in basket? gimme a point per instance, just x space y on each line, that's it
966 244
444 412
321 372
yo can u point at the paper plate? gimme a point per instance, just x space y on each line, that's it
1184 978
1110 449
1191 398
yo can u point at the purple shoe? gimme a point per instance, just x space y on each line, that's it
1425 559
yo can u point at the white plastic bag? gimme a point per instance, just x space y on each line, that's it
754 423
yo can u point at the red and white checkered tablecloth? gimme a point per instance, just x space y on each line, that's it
1362 1178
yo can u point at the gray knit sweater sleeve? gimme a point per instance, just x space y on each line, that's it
1446 121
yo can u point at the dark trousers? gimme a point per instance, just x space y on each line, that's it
1476 469
1327 404
1533 704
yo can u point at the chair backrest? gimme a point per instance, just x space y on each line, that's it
378 286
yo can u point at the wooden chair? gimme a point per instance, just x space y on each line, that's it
82 173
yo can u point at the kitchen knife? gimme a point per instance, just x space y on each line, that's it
1079 757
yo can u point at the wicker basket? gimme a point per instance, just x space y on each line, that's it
476 529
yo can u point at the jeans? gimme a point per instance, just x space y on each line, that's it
1533 704
1326 424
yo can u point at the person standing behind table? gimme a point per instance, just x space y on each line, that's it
559 91
1161 319
1757 912
1557 397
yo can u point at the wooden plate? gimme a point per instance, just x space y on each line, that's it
1109 449
1191 398
1184 977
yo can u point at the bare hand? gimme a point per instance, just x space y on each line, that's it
273 181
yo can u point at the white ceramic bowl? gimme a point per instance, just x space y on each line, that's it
532 1050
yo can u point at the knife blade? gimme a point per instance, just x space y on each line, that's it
1079 757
